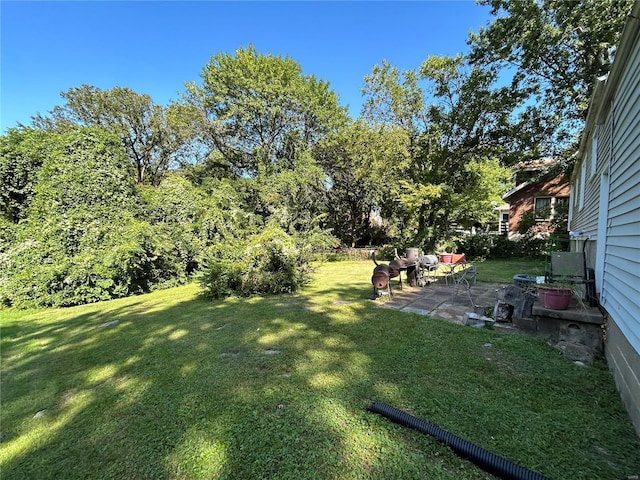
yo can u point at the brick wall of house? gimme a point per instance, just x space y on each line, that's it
524 200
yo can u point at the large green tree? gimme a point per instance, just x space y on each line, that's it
457 134
257 109
553 50
82 239
362 163
155 137
293 196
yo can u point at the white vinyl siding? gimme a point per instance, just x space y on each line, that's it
622 257
610 217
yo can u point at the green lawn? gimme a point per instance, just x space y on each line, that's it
503 270
168 385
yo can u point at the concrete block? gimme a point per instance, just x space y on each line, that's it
526 324
476 320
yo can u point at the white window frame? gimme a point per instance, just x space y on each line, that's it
552 206
583 179
594 155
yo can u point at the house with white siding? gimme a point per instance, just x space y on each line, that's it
604 213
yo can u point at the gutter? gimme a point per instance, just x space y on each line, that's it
515 190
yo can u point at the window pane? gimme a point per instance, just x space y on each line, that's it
561 207
543 207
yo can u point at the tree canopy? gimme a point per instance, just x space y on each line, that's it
258 164
259 109
554 51
153 137
454 146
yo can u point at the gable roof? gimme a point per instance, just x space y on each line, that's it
542 165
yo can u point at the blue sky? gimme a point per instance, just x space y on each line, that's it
155 47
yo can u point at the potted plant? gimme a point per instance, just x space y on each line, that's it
446 249
555 296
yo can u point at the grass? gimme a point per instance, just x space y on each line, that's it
168 385
503 270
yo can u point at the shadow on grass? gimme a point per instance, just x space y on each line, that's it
277 387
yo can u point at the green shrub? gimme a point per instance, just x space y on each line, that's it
81 241
495 246
22 151
475 246
532 246
502 247
109 258
386 253
221 278
334 257
274 264
8 231
173 201
271 262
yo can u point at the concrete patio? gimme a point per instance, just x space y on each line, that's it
576 332
442 301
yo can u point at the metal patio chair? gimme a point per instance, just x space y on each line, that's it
462 275
571 268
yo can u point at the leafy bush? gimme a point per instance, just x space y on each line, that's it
335 257
502 247
81 242
173 201
54 264
534 246
87 168
8 232
22 151
494 246
275 263
221 278
386 253
476 245
271 262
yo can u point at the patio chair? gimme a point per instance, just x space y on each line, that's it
571 268
426 269
462 275
455 267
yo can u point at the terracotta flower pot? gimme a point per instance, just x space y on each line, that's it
555 298
446 257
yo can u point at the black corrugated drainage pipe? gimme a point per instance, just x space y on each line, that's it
486 460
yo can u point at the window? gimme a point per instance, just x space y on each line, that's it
583 173
594 155
551 207
560 207
561 203
542 208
